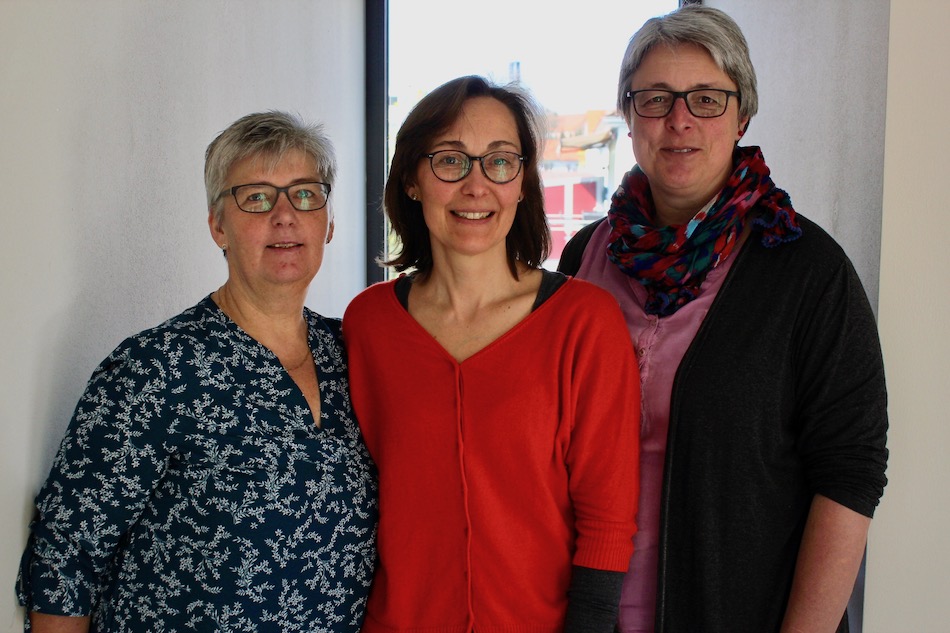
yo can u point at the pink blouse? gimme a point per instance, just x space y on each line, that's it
660 344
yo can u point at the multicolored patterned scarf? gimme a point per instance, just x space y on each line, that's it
672 261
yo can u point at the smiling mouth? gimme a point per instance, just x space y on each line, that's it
284 245
473 215
685 150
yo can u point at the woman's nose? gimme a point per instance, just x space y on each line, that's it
283 212
679 115
476 180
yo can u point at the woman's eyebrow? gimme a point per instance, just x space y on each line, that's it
459 145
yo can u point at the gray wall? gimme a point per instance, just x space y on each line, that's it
107 107
822 72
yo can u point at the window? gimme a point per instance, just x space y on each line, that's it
568 59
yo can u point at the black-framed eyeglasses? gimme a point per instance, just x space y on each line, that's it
450 165
704 103
261 198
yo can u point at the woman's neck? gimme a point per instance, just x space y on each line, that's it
464 285
272 320
679 214
465 309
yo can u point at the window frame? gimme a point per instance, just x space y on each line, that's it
377 98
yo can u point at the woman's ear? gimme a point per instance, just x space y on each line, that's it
412 189
217 234
743 126
330 232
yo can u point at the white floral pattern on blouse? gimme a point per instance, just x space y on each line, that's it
193 491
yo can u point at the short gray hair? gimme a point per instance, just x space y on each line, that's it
267 135
703 26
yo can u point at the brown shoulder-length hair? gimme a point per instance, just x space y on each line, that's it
529 240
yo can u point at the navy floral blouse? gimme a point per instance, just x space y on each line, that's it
193 491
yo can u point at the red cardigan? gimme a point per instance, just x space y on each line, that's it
500 472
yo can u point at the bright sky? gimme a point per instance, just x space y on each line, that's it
569 53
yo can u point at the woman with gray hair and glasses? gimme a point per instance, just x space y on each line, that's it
764 406
213 476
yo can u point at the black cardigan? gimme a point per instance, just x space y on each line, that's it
779 397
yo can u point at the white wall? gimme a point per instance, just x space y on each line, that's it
106 107
908 579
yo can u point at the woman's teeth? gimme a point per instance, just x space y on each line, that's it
472 215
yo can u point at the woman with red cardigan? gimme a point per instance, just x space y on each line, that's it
500 402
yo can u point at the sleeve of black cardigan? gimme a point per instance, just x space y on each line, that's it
840 384
593 600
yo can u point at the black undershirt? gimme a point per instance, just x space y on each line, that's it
550 282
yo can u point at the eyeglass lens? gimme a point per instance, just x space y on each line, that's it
701 103
452 165
259 198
